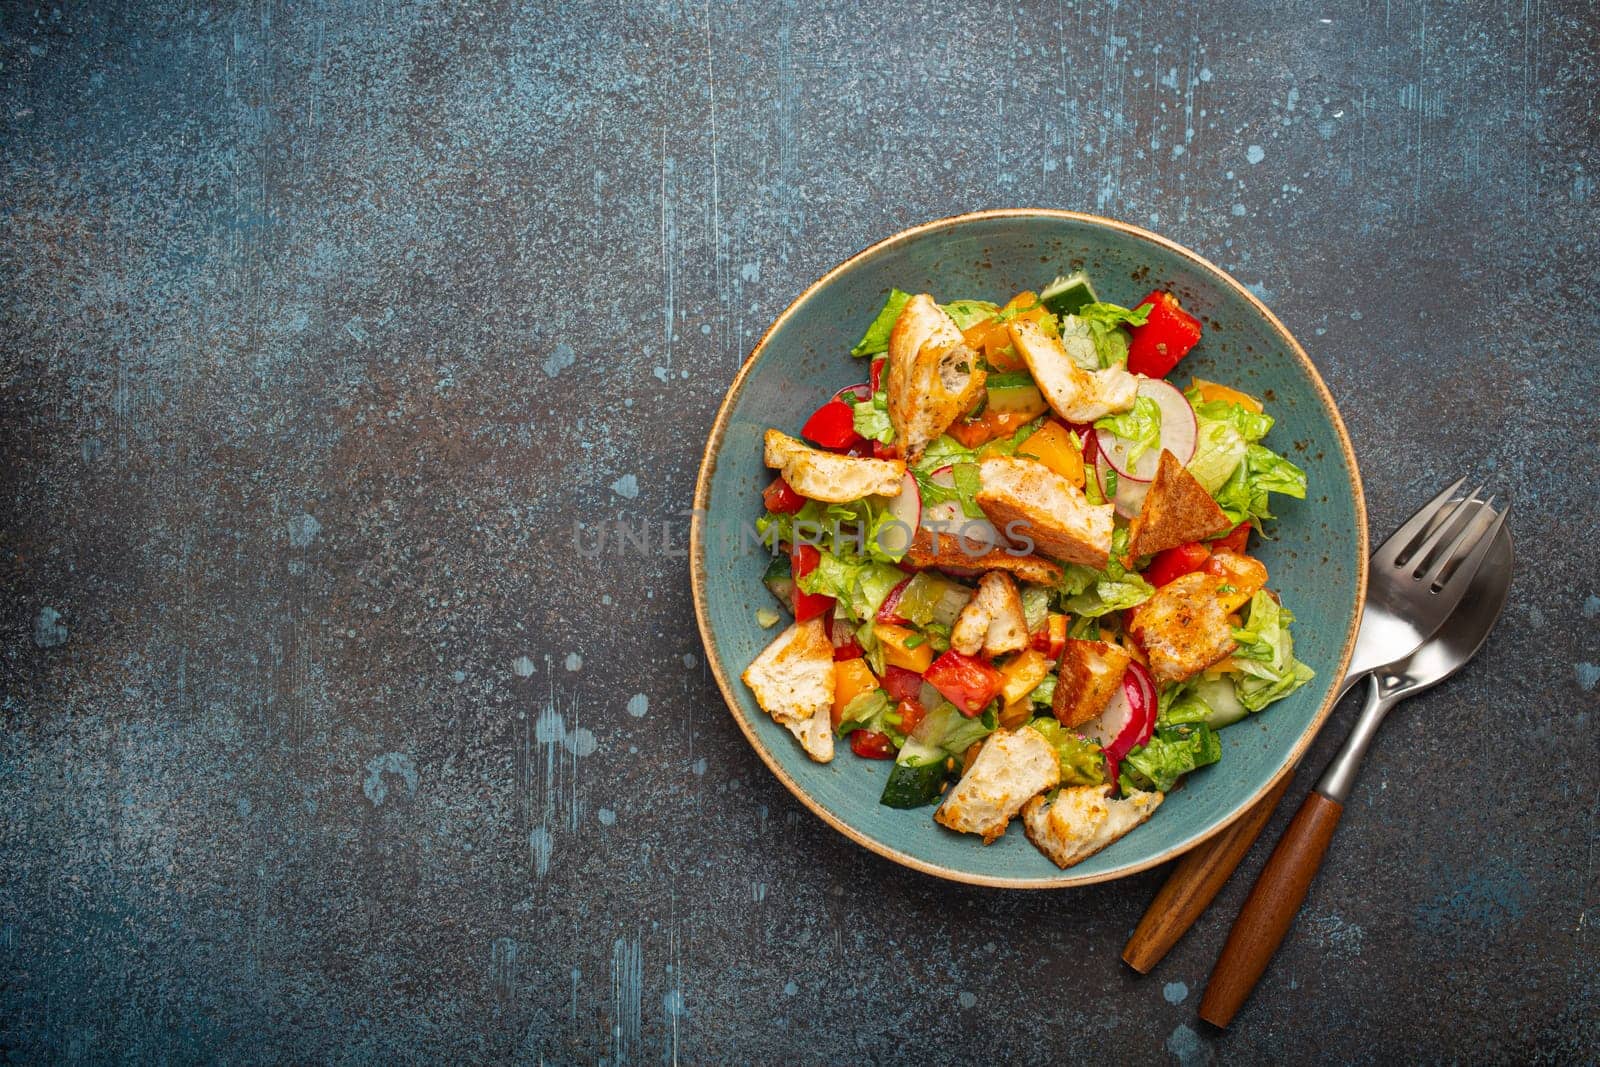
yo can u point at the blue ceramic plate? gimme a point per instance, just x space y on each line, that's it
1317 562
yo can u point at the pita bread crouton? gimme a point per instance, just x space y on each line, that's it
1012 767
793 682
1083 820
933 377
830 477
992 621
1087 679
1047 508
946 554
1077 395
1183 629
1176 510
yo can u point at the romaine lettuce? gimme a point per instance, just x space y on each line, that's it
1265 658
1171 752
1081 760
876 338
1140 426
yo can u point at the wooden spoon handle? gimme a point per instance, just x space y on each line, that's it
1270 908
1195 882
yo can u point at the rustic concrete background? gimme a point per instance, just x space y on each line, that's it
323 322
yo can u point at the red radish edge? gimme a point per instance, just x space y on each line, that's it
1178 435
886 610
1130 717
856 393
1130 494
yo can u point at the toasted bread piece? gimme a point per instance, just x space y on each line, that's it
933 377
1046 508
1176 510
1087 679
1077 395
946 554
1012 767
792 679
993 621
1183 629
1083 820
828 476
1246 576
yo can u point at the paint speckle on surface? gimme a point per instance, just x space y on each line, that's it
1486 899
574 662
540 845
1588 675
1186 1045
522 667
690 661
1255 154
580 742
698 767
638 705
626 486
606 816
303 529
49 631
789 988
379 768
1335 934
967 1000
1591 606
560 358
1175 992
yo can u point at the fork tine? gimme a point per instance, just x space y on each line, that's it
1389 552
1445 525
1462 574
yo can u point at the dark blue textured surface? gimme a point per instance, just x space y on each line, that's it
323 323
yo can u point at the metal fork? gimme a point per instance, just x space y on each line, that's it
1419 575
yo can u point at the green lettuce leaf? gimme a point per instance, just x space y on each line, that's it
1081 760
1089 593
1140 426
876 338
1267 667
864 527
867 711
1243 497
970 312
858 584
1171 753
1251 425
1219 449
871 418
1105 324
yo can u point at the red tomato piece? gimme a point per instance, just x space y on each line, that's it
966 681
1235 540
902 684
871 744
887 610
911 712
1174 563
845 645
833 426
803 560
781 497
877 371
1166 337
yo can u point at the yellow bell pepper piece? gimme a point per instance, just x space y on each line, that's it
851 678
897 654
1052 445
1211 391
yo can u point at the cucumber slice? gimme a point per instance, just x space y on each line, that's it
1016 392
1066 295
779 579
917 777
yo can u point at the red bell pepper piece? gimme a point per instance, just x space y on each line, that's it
902 684
1174 563
877 372
871 744
1166 337
803 559
966 681
781 497
833 426
1235 540
845 645
1051 638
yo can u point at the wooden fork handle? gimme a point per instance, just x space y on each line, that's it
1270 908
1195 882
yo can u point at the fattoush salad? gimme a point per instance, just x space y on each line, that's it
1017 562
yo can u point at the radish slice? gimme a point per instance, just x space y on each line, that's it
854 394
1130 493
973 536
906 510
1179 432
1129 719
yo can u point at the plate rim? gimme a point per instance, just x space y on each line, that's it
697 546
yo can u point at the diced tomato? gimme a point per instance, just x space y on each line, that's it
781 497
833 426
902 684
845 645
966 681
883 451
1051 638
871 744
1235 540
1174 563
886 610
911 712
803 559
877 372
1166 337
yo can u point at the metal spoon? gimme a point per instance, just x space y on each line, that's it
1282 885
